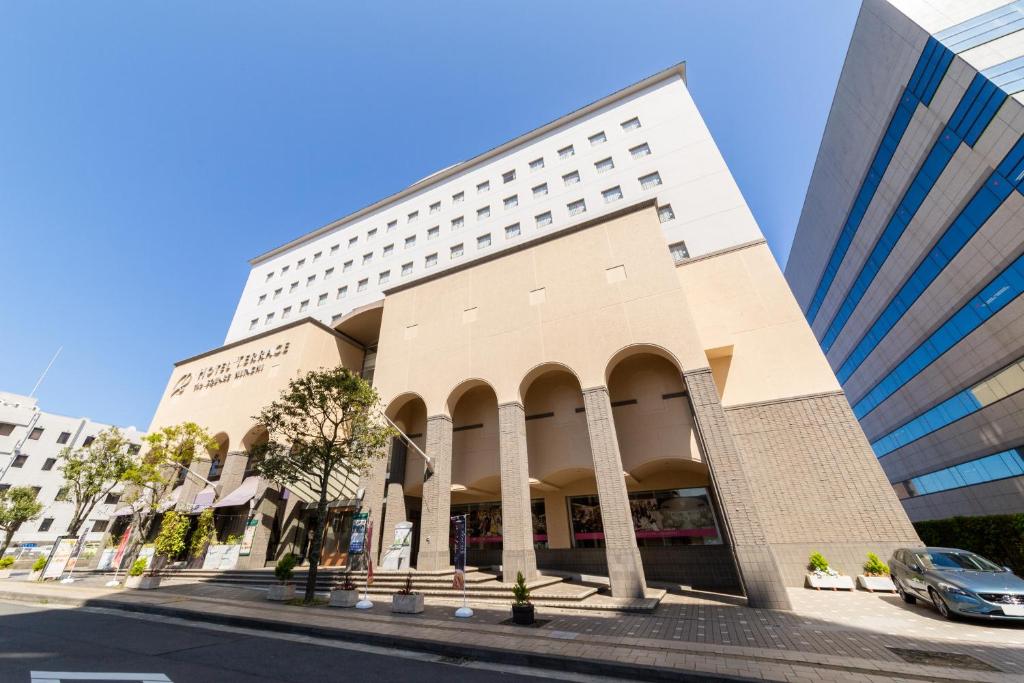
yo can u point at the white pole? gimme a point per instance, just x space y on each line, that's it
42 376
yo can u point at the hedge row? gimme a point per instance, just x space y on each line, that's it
1000 538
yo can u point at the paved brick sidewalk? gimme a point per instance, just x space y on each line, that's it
829 637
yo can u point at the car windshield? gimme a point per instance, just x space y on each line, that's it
945 559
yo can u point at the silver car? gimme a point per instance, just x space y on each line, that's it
958 583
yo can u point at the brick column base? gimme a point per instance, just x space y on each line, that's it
435 516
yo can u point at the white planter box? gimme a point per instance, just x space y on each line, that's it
876 583
341 598
143 583
841 583
281 592
407 604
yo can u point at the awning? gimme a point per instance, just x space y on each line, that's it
242 495
126 509
171 500
203 500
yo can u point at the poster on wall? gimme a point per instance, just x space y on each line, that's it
60 556
398 555
358 539
673 516
248 537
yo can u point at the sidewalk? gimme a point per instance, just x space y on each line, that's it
689 634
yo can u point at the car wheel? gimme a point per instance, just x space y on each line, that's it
907 597
941 605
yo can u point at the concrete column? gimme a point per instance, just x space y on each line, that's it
758 567
517 554
435 516
264 513
234 471
374 484
625 568
191 486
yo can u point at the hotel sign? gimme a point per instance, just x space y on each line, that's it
244 365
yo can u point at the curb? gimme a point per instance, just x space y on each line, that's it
638 672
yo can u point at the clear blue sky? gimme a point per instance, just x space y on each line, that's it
148 150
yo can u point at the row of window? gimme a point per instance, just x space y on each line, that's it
1002 465
482 187
483 213
994 388
97 526
6 429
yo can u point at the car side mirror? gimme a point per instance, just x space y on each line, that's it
915 568
1007 569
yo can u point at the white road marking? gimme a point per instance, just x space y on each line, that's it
60 676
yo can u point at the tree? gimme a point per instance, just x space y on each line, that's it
91 472
17 506
324 425
153 476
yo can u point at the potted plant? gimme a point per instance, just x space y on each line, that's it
522 608
823 576
875 576
345 595
285 569
406 600
139 579
5 566
37 569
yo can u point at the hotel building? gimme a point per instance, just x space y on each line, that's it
908 261
586 332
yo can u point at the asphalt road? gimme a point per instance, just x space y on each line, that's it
41 638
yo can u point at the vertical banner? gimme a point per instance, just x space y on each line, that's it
76 551
459 580
369 555
248 537
119 555
357 542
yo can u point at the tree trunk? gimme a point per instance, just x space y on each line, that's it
7 539
79 517
316 543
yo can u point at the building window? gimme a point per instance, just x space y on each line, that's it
286 313
383 278
112 499
270 276
540 190
328 273
483 213
571 178
433 233
342 292
6 428
577 207
367 258
346 266
483 241
430 261
269 319
407 269
511 202
303 305
317 255
64 436
412 216
512 231
88 441
46 524
321 300
48 464
19 461
604 165
100 525
361 285
134 449
458 197
665 213
371 233
302 262
508 176
483 187
392 225
336 318
632 124
292 287
435 207
253 323
334 250
277 292
284 269
566 152
543 220
696 526
263 297
678 251
388 250
458 223
352 241
310 280
36 433
537 164
62 494
410 241
650 180
598 138
456 251
612 194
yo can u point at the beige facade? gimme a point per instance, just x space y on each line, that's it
625 413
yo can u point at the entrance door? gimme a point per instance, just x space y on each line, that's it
336 537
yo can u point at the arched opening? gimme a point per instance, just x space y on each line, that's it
218 456
255 437
404 483
475 479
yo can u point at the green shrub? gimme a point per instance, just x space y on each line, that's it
1000 538
285 568
170 542
6 561
520 592
138 567
233 539
817 562
39 564
203 533
875 567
